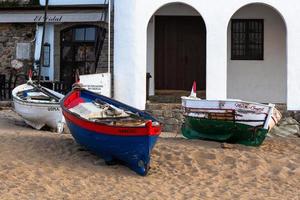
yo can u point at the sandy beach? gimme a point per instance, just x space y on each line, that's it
45 165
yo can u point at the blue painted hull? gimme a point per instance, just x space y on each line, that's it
131 145
134 151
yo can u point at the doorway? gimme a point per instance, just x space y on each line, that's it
180 52
77 52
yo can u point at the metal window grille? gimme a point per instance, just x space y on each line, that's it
247 39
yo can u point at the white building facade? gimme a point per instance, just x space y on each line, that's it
234 49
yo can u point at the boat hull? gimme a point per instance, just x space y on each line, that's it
130 145
232 121
133 151
223 131
38 114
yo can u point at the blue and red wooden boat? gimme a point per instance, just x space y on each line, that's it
128 139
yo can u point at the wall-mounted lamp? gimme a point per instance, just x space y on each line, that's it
46 58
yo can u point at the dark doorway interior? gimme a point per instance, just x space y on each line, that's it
77 52
180 52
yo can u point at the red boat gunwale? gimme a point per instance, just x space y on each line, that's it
100 128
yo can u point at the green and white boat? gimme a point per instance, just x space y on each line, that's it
230 120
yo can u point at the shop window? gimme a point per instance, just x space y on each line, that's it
78 52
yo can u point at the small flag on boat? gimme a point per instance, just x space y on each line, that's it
30 74
77 77
194 90
77 83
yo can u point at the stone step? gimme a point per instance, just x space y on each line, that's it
4 104
161 106
164 99
172 96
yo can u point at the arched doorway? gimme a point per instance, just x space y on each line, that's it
176 49
78 52
257 55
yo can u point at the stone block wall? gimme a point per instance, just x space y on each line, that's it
169 114
17 3
285 113
10 35
20 2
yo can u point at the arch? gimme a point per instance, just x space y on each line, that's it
266 78
263 4
159 7
173 10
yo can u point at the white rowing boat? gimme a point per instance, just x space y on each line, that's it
228 120
37 108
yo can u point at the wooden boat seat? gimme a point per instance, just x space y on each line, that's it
41 97
33 95
106 115
127 122
91 111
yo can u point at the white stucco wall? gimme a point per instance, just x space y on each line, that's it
130 45
261 80
151 54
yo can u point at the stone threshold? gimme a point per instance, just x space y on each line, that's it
171 135
5 104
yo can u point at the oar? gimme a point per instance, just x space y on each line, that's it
46 92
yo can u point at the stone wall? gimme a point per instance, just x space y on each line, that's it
169 114
10 36
20 2
17 3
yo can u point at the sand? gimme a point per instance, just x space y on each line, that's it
45 165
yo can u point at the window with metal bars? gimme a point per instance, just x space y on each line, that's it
247 39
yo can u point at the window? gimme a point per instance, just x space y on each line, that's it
78 52
247 39
80 34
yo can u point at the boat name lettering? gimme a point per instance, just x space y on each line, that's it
53 109
94 87
249 107
126 131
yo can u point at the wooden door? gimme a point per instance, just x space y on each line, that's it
180 52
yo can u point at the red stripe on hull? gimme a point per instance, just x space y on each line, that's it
148 130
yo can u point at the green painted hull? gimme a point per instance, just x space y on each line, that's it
223 131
